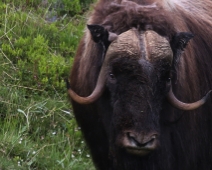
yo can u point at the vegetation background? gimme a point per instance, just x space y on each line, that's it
38 39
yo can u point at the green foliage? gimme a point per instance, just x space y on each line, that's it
40 134
61 7
39 51
86 3
72 6
37 67
38 129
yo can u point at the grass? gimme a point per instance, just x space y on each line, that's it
39 133
38 129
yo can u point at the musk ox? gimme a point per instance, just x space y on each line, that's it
140 85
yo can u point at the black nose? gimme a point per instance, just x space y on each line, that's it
141 140
139 143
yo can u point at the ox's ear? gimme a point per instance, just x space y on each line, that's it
178 44
101 35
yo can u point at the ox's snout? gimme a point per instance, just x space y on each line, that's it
139 143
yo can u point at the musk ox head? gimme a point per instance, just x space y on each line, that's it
137 73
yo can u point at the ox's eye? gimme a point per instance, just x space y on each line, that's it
168 80
168 84
112 76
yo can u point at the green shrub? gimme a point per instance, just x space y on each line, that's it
72 6
41 52
37 67
38 129
86 3
61 7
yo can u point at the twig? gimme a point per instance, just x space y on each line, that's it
8 59
24 87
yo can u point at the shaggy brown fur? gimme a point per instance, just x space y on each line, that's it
186 144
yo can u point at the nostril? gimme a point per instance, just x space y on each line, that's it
131 135
149 143
153 137
142 141
132 138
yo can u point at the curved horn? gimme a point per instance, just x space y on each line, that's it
97 92
186 106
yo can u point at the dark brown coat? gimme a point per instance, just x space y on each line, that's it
185 136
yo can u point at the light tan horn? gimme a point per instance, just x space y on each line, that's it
156 47
186 106
126 43
94 95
